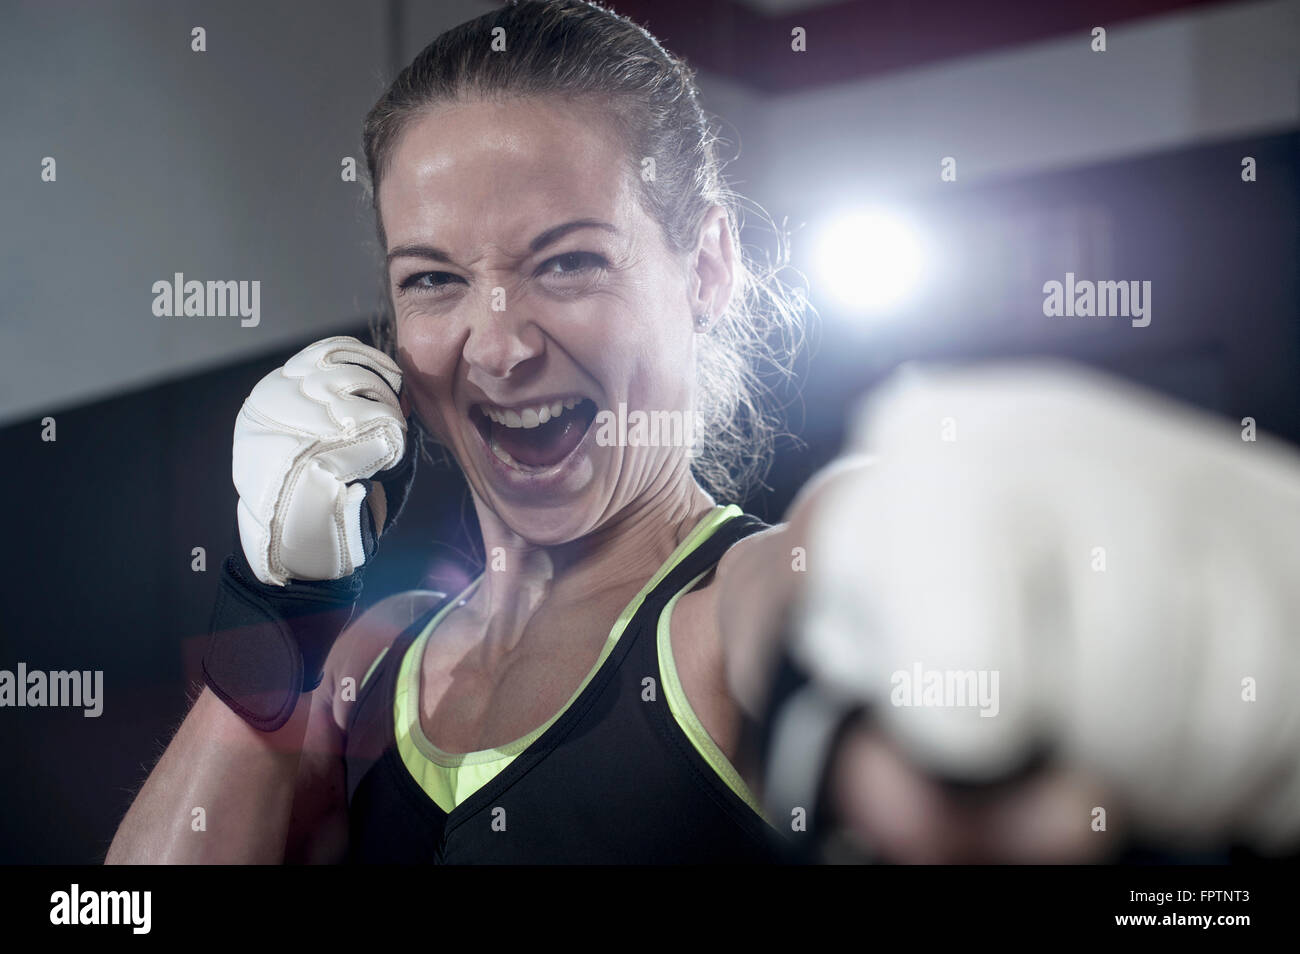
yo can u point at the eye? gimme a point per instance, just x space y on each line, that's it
569 264
434 283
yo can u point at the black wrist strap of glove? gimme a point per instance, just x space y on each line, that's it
802 731
802 728
268 643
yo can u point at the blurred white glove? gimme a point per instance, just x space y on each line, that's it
305 439
976 543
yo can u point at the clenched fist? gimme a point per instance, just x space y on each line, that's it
307 441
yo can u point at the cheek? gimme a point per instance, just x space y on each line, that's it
668 363
653 342
428 363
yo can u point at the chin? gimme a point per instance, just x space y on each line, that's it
552 526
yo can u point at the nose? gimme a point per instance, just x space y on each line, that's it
501 341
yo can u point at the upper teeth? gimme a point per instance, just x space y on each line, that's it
529 416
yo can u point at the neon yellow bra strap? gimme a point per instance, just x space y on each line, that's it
685 715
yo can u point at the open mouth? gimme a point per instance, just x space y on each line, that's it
537 436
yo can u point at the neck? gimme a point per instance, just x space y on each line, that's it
622 552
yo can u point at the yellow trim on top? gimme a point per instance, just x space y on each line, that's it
373 666
450 777
681 709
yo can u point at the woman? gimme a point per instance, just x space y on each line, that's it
559 242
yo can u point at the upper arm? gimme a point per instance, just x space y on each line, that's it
318 823
761 578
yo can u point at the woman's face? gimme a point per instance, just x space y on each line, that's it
524 272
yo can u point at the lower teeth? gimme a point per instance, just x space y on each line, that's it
503 456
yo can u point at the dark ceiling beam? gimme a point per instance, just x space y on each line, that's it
851 40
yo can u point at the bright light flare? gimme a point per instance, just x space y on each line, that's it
868 261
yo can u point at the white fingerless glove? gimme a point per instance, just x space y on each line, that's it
306 439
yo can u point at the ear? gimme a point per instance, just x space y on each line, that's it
713 265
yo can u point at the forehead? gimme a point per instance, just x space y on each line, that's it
475 173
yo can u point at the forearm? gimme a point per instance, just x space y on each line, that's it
242 779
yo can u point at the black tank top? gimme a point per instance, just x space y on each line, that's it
614 780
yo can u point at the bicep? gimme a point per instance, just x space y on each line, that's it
318 823
318 826
761 580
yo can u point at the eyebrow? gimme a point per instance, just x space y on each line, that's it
548 237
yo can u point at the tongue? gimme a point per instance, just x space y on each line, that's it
544 445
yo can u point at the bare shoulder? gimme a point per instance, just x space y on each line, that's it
361 643
761 578
750 555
